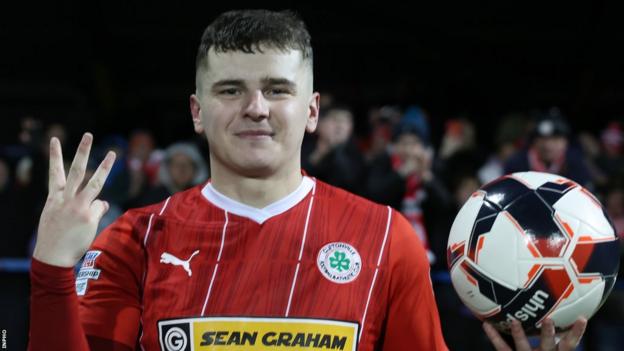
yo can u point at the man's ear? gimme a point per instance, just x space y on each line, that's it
313 112
196 113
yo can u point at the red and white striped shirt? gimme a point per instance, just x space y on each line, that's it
318 269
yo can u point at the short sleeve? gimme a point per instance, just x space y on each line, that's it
413 322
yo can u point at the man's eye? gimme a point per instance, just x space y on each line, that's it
229 91
276 91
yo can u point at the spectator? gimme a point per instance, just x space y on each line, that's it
31 180
402 178
381 122
507 138
611 160
459 155
182 168
335 158
592 151
137 167
549 151
116 187
614 204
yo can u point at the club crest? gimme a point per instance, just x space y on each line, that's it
339 262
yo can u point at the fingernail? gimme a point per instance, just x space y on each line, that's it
110 155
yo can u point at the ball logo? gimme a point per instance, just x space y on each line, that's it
531 309
339 262
175 339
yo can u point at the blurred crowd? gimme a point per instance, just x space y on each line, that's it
397 160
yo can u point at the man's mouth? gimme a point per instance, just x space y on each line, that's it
254 133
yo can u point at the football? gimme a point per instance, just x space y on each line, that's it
532 245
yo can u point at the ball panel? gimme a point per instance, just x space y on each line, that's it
536 179
551 192
591 257
536 218
454 253
469 291
497 291
556 281
568 225
527 272
586 305
577 203
505 190
464 221
481 227
498 254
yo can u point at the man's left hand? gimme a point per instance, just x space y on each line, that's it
569 340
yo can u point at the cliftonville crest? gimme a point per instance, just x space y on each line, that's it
339 262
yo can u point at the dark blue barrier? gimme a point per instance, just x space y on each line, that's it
15 265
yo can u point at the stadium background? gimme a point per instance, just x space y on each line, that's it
112 68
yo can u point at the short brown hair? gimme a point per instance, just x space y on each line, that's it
250 30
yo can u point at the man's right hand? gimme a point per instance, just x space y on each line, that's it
71 215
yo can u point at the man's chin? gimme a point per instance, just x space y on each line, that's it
257 170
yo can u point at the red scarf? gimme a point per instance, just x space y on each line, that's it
411 205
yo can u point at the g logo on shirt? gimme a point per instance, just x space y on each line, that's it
175 337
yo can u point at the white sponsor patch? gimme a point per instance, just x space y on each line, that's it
339 262
87 271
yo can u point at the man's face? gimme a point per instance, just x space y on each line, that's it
254 110
551 148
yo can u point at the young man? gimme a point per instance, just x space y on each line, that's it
260 257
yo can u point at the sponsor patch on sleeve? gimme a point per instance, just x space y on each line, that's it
87 271
253 333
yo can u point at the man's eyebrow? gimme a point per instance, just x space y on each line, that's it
279 81
228 82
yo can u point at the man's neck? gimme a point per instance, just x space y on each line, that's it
255 192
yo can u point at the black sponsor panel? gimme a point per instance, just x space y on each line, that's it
528 307
175 336
504 191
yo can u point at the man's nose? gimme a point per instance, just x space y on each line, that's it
257 106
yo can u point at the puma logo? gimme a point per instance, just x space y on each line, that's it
171 259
